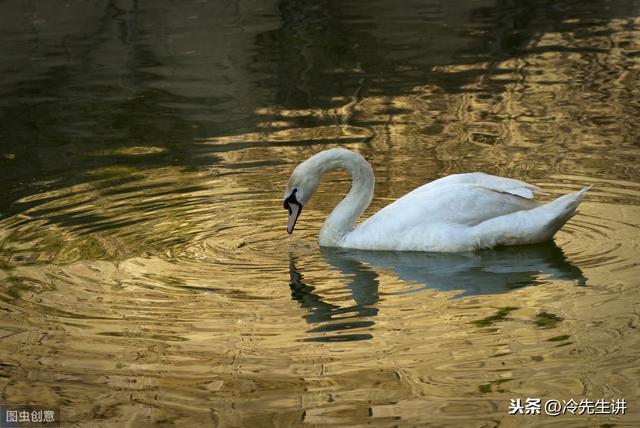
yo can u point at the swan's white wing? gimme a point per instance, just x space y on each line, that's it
437 207
500 184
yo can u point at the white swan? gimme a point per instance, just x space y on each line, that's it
460 212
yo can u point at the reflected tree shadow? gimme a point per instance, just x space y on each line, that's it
108 85
482 272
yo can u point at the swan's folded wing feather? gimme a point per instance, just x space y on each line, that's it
462 204
493 182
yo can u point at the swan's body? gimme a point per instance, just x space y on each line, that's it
460 212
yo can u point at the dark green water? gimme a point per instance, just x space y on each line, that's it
146 278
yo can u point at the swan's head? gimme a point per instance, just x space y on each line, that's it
302 185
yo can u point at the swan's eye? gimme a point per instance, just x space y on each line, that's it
291 199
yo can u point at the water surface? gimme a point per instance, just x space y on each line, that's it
146 277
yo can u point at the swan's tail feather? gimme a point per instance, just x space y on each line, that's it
529 226
571 201
561 210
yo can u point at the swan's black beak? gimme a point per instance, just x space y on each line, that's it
295 208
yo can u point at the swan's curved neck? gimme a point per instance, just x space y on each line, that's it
342 218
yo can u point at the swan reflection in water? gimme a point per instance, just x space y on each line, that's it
481 272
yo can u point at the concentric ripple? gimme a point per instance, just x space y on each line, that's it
606 232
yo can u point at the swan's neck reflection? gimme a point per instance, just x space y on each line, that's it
363 285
